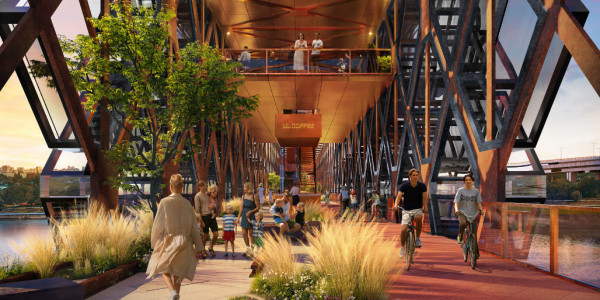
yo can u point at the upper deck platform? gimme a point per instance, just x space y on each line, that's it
339 84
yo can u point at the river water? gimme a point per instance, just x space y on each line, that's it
17 230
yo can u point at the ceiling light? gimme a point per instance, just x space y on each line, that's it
228 33
370 33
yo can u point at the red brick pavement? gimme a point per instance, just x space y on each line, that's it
439 272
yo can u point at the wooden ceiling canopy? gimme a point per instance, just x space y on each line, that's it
341 100
342 24
276 23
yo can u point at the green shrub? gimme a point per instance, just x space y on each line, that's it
385 63
303 285
12 266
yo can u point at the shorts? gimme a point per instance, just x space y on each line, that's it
278 220
406 215
228 236
258 241
210 223
295 200
353 205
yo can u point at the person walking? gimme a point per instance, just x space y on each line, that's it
204 214
299 54
414 193
345 199
467 203
261 194
295 192
250 205
175 239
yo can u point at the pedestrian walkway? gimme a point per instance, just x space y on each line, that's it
438 272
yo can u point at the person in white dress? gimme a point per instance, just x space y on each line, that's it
299 54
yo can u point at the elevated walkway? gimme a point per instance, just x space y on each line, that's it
439 272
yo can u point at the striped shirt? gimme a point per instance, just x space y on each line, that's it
259 228
228 222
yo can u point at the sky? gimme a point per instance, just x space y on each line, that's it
571 129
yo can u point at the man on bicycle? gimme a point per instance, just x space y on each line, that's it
415 203
467 202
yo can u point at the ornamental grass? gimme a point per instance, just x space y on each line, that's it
353 258
313 212
277 256
39 252
236 204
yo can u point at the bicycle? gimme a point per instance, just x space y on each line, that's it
469 241
411 240
379 214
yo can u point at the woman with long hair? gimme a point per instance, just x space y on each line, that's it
299 54
250 205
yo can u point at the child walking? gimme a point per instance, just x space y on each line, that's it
229 229
259 231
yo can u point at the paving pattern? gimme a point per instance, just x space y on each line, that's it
438 272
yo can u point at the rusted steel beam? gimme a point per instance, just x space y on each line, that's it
490 69
14 48
197 21
554 240
427 98
581 47
71 103
531 76
87 14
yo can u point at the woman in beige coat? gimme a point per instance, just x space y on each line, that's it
174 235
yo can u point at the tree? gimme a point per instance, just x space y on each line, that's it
164 95
274 181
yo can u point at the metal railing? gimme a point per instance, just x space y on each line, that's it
563 240
310 61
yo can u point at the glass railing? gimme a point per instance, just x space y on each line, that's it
562 240
323 61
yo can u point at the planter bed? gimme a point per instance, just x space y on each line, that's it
97 283
34 275
91 285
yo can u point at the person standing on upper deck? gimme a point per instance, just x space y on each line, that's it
299 54
315 55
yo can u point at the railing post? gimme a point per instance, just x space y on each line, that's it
504 230
554 240
349 61
267 61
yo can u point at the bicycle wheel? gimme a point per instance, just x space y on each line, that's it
410 248
465 247
473 250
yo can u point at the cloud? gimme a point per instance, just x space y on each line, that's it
572 122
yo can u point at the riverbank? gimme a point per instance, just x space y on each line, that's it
22 216
22 213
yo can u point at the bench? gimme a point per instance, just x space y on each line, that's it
50 288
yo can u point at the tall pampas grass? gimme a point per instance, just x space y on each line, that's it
79 237
122 236
313 212
236 203
353 258
277 256
40 252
